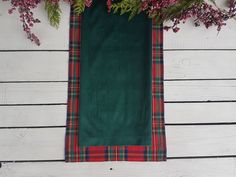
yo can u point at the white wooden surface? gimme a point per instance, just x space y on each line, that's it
200 96
172 168
13 38
183 141
33 66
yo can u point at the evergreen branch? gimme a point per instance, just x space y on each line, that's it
133 7
173 11
79 6
54 12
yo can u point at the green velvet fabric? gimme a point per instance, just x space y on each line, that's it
115 79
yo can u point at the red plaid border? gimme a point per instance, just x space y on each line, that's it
74 153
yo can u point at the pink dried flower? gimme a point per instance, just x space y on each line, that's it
24 8
203 13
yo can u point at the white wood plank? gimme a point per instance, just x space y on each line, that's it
21 116
171 168
200 90
200 112
28 93
16 144
200 64
13 38
46 144
201 140
178 65
34 66
33 93
190 37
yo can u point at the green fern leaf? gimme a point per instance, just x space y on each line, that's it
54 13
79 6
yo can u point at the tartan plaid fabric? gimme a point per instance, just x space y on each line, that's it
75 153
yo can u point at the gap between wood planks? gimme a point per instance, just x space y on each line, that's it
168 158
167 124
54 104
170 124
67 50
34 50
65 81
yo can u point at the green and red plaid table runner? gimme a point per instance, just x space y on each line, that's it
74 152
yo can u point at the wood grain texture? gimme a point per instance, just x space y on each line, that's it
33 66
32 116
53 66
177 113
200 64
201 60
201 140
13 37
212 90
171 168
201 38
182 141
33 93
26 144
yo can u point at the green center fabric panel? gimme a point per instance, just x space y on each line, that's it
115 79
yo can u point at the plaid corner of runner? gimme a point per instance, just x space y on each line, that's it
75 153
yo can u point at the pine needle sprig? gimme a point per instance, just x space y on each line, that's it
79 6
205 12
133 7
54 12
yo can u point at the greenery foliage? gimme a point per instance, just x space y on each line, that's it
79 6
133 7
54 13
204 12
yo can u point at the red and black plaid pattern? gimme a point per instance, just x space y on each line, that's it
75 153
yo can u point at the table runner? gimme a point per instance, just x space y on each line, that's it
115 78
76 153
